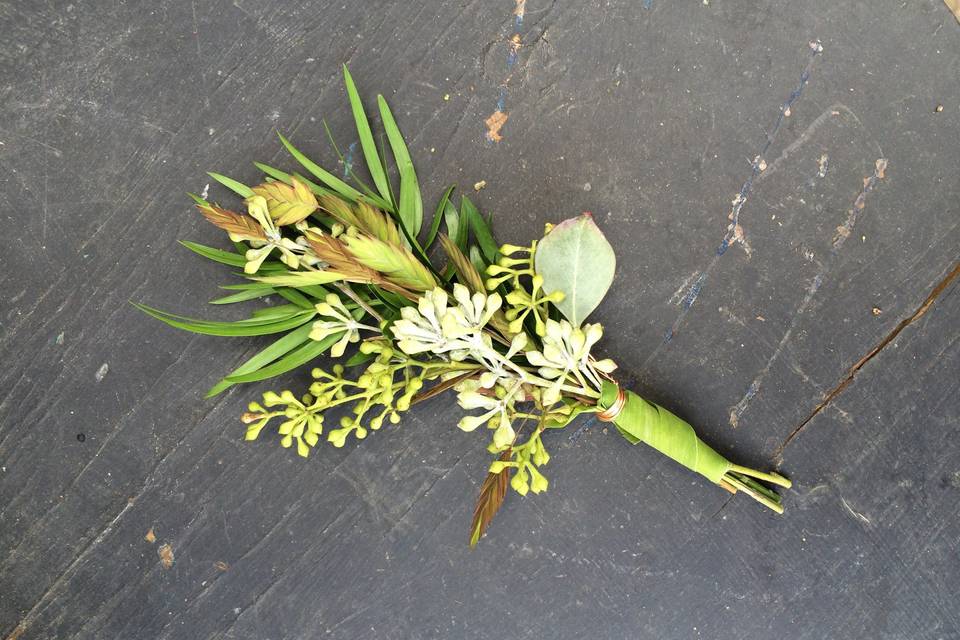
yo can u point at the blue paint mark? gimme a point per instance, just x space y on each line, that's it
744 193
513 55
589 422
694 291
647 4
348 160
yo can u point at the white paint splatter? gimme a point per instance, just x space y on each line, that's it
102 372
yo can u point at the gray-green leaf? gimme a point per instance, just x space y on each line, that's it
576 258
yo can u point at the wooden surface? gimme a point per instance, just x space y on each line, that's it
827 343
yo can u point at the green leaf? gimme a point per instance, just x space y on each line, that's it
282 346
576 258
295 297
374 165
300 278
456 228
243 296
332 181
560 421
230 258
481 230
265 315
244 286
283 176
291 361
359 358
239 328
348 170
217 255
277 311
438 218
239 188
198 199
314 290
477 260
410 207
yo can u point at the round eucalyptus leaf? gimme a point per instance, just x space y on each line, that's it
576 258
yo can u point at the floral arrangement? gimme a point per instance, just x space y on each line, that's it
504 326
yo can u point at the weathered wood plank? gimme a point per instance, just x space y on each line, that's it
648 114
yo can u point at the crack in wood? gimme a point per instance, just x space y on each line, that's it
935 293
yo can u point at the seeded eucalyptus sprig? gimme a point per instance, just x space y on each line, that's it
502 325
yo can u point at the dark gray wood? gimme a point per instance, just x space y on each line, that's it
648 113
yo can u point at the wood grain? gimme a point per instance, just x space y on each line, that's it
651 118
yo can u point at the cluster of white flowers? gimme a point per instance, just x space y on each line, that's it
340 320
566 350
456 331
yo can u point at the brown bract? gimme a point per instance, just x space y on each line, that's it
238 225
492 493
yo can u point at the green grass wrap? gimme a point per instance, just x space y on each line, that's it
642 421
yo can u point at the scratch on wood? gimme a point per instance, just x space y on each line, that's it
18 632
42 603
835 110
196 29
935 293
868 184
856 514
735 232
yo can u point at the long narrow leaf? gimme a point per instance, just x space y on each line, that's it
457 228
300 278
481 230
291 361
243 296
260 316
276 350
245 286
237 187
438 218
230 258
322 174
232 329
278 311
314 290
283 176
348 171
295 297
410 207
217 255
374 164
